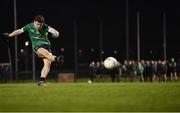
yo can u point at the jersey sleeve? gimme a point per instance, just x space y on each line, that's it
46 27
25 28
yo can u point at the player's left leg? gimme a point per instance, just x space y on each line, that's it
44 53
44 72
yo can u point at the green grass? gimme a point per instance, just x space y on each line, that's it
82 97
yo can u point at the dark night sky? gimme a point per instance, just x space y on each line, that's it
60 14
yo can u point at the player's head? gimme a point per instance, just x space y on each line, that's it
39 21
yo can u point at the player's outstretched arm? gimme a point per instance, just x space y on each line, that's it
14 33
54 32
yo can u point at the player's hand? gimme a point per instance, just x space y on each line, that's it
55 36
6 35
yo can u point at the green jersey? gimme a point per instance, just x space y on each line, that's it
38 37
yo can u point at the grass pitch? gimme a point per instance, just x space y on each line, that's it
98 97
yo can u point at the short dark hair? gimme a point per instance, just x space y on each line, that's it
39 18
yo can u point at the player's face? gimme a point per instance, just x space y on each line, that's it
38 25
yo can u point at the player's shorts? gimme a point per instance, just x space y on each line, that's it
42 46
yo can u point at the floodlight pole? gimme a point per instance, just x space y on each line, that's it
10 61
15 41
33 66
127 30
164 36
75 51
138 38
101 39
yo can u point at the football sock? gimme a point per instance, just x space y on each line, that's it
56 59
59 59
42 79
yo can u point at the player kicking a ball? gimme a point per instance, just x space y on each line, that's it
38 33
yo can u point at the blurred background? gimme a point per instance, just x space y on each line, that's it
91 30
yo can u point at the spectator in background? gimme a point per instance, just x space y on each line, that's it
119 75
148 72
178 69
92 71
140 71
132 70
114 73
154 70
161 71
100 71
124 66
172 69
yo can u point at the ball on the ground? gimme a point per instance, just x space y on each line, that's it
110 63
89 81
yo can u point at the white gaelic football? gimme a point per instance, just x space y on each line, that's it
110 63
